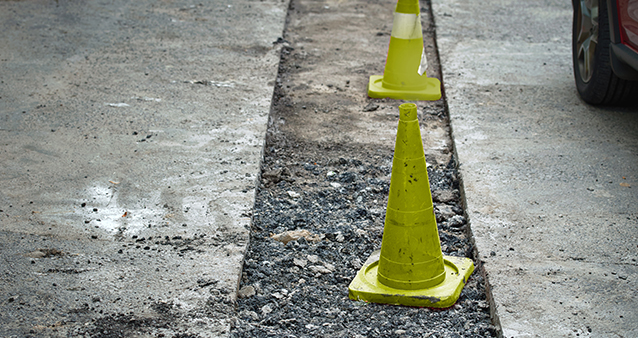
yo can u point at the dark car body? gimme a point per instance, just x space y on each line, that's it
605 51
623 23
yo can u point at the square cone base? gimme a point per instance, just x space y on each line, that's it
366 287
431 92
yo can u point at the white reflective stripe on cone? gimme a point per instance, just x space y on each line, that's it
407 26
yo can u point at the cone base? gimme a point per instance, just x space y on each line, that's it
366 287
431 92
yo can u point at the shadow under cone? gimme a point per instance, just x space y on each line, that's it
411 269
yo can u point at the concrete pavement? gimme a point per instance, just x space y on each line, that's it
131 138
550 182
131 135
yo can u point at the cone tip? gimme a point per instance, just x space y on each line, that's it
407 112
408 7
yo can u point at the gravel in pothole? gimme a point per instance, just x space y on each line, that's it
315 224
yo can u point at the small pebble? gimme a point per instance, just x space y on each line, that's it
266 309
246 292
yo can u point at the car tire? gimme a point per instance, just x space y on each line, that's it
595 79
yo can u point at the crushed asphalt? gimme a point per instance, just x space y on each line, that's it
300 289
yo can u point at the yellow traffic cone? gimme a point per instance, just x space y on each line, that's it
411 269
404 76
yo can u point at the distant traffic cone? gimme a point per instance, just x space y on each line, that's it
404 76
411 269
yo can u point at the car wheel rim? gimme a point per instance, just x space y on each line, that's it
587 40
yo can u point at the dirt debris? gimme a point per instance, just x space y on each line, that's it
44 253
293 235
